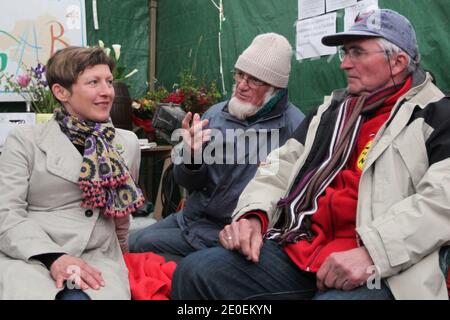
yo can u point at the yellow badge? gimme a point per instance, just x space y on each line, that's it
363 155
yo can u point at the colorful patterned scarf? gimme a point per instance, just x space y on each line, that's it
301 202
104 178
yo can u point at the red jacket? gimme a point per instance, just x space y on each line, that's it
335 219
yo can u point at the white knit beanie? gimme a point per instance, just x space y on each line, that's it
268 58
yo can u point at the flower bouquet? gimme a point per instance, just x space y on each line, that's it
194 97
144 109
119 69
33 88
191 95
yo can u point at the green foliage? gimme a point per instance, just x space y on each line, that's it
145 107
193 96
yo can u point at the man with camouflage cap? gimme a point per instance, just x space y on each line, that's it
357 204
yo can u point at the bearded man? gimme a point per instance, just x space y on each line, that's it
227 145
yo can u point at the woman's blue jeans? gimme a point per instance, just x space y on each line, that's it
218 273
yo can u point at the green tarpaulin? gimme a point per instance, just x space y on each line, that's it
187 38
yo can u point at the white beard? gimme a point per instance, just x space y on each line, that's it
243 110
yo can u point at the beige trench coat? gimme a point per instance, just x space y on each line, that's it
40 213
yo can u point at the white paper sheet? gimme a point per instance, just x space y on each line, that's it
310 33
333 5
9 120
352 12
310 8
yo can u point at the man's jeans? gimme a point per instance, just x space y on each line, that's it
165 236
218 273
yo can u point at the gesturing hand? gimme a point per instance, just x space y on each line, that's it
193 135
77 270
243 235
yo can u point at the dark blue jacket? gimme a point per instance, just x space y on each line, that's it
215 188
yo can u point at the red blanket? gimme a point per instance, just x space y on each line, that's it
150 276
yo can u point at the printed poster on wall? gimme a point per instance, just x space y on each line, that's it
32 30
352 12
333 5
310 33
310 8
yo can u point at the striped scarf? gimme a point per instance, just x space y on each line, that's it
301 202
104 178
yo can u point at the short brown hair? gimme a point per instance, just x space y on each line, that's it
67 64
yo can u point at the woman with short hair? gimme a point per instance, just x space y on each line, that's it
67 188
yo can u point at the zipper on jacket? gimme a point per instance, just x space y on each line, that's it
331 216
314 255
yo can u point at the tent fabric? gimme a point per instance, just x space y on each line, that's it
187 38
125 22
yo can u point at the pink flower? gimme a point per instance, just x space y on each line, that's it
23 80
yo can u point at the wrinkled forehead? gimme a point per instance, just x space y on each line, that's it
365 43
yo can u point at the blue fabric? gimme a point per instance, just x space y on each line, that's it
72 294
215 188
444 259
162 237
360 293
218 273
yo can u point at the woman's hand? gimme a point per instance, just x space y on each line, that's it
77 271
243 235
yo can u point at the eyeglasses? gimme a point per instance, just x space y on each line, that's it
252 82
355 54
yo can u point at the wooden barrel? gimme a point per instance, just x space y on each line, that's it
121 108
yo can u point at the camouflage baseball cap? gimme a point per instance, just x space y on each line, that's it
383 23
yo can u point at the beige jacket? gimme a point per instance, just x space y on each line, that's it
403 213
40 213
